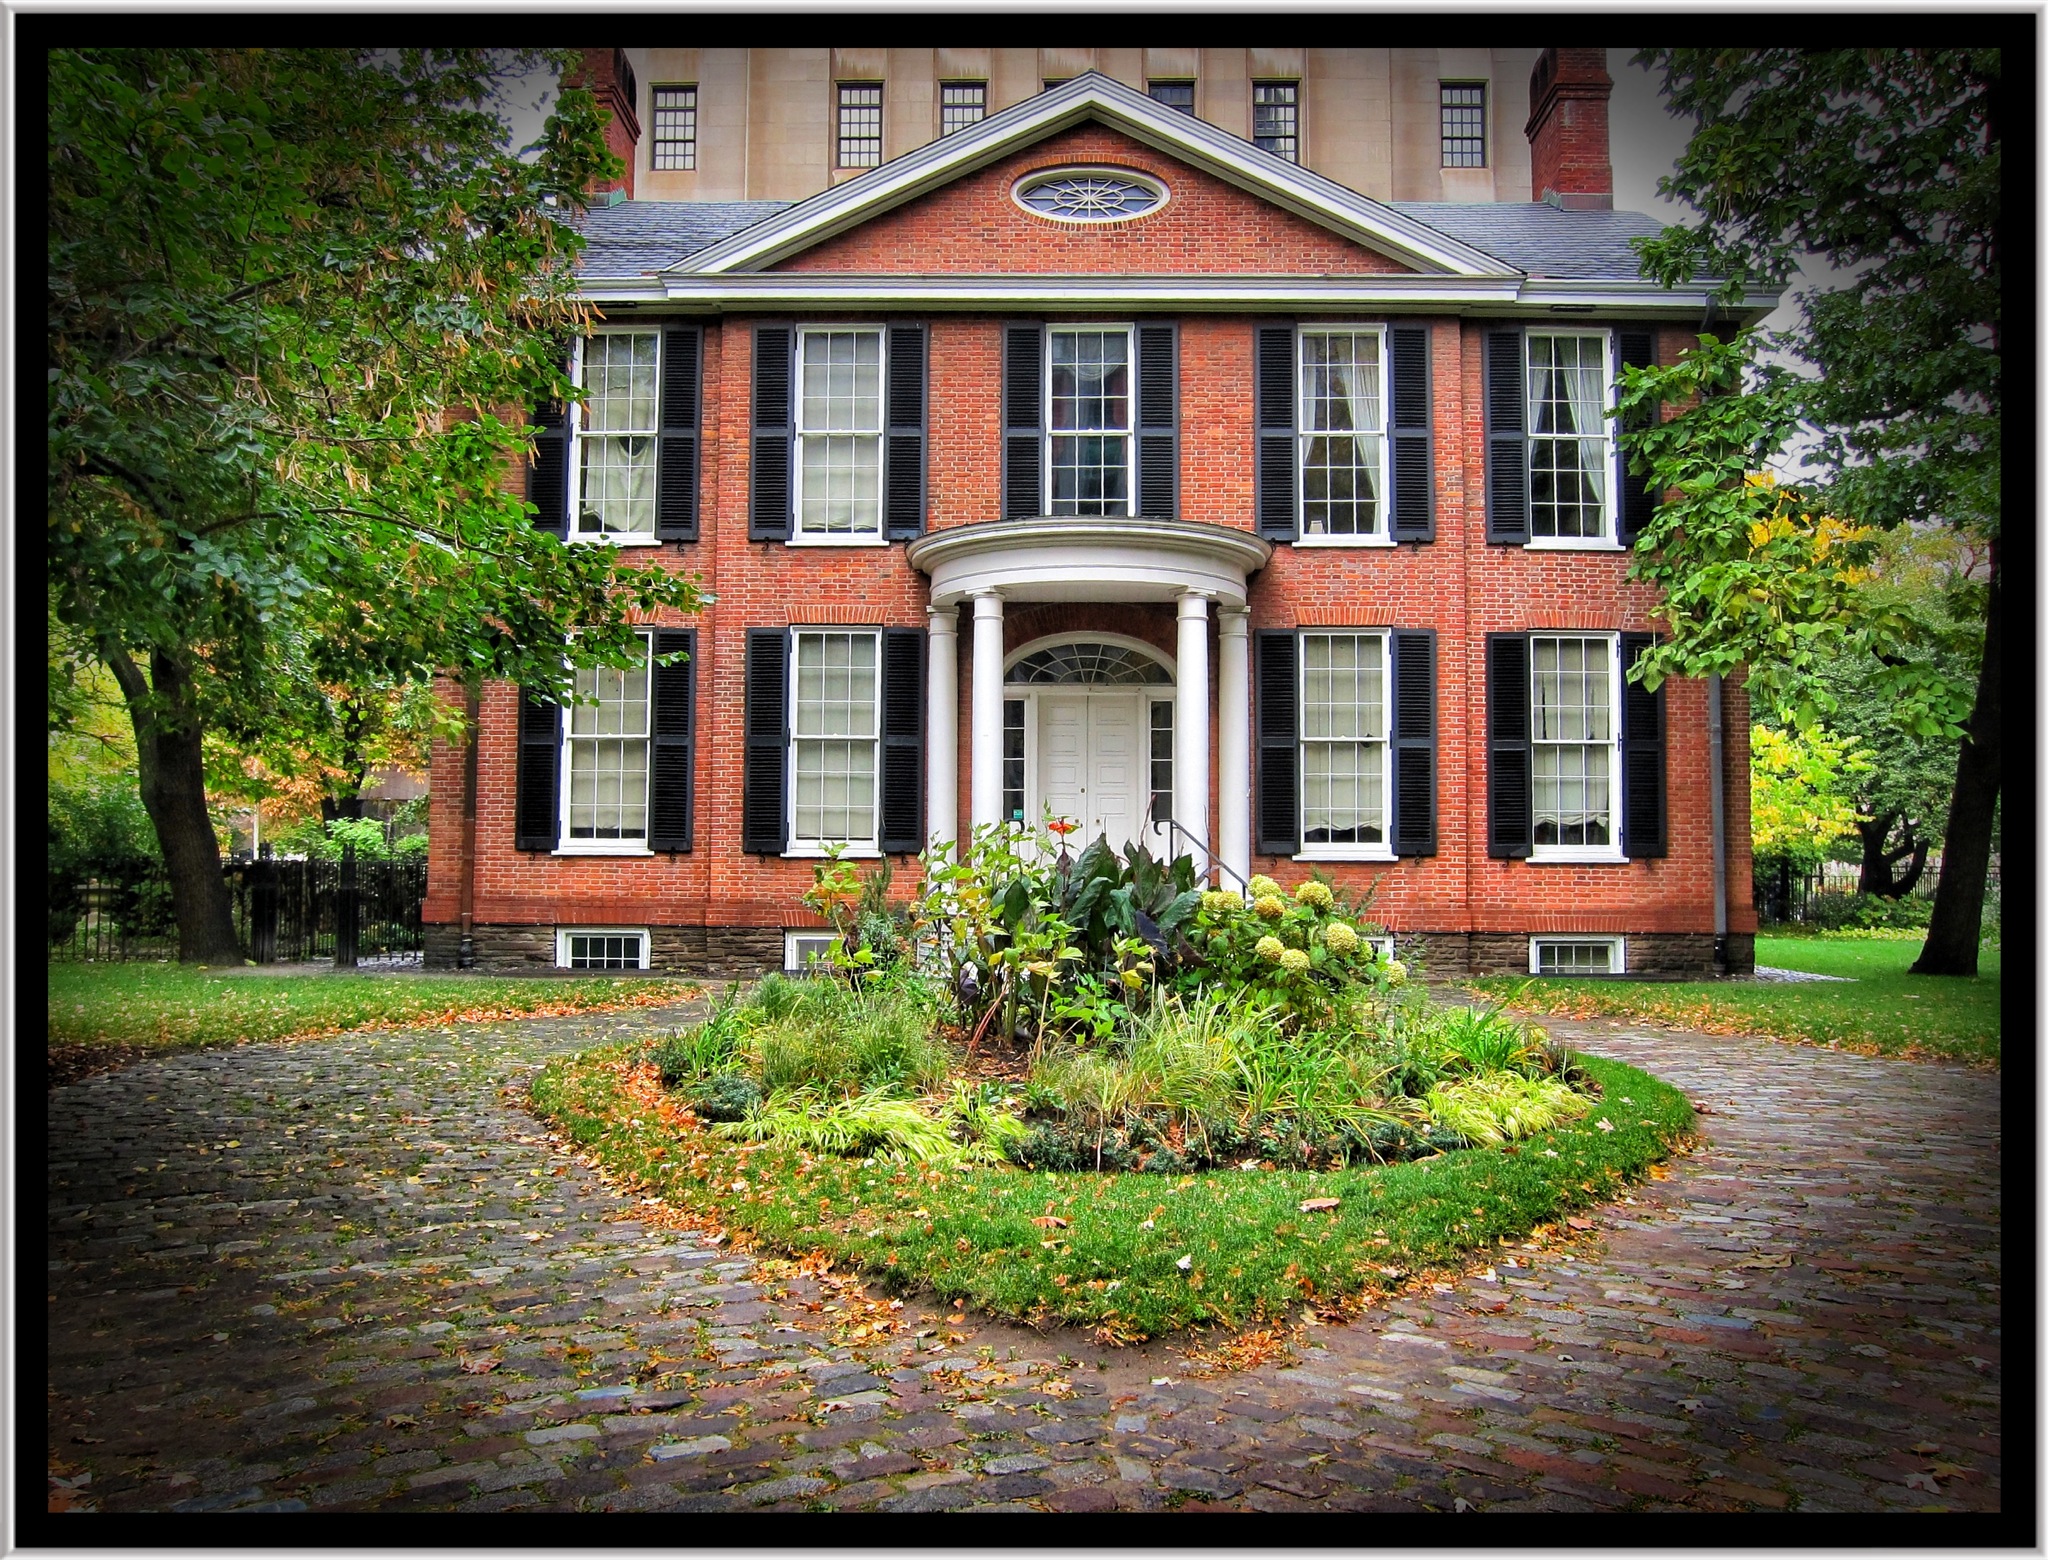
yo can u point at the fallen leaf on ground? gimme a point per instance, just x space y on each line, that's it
1779 1260
1050 1221
480 1367
1318 1204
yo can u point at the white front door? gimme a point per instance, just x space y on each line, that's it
1093 762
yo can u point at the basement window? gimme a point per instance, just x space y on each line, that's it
601 948
1577 956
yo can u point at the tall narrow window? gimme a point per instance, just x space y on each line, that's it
1276 126
675 127
839 434
1013 760
1571 452
961 103
1575 743
605 756
1462 111
1162 760
1343 450
1088 403
860 124
834 735
616 430
1174 94
1344 704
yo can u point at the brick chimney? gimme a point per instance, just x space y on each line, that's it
610 79
1568 158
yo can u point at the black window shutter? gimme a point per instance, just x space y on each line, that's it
902 740
764 786
768 513
1159 421
1414 669
1023 421
905 496
1510 819
537 815
1507 460
1642 757
672 809
1273 475
682 372
1279 806
1414 502
547 478
1636 347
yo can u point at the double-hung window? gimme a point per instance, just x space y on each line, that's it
835 737
1276 125
961 103
1572 477
615 430
1575 746
1089 431
675 127
1343 447
1345 708
839 434
1461 110
860 124
604 759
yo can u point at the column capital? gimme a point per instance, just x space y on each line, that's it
1194 604
988 604
1234 621
944 620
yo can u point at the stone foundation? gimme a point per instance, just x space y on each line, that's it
716 952
1651 955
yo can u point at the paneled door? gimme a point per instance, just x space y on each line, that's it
1092 762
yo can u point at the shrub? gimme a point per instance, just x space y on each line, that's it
730 1096
1834 912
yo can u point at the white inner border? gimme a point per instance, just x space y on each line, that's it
1619 945
1040 176
564 933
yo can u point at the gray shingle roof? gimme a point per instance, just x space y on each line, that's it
638 236
1542 239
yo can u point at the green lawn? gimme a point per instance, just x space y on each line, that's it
1880 1010
167 1007
1104 1251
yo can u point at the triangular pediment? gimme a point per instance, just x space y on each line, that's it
1216 178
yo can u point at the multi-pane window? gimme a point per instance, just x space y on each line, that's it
1013 760
839 433
1571 449
961 103
1174 94
616 435
605 754
675 127
1056 81
860 124
1162 760
1088 402
1276 107
1575 741
603 951
1575 956
1344 706
836 684
1462 112
1343 421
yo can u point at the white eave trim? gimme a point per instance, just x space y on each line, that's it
1092 95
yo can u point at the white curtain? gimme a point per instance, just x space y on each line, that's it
1581 371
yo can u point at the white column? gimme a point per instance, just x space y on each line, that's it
985 785
942 727
1191 732
1234 741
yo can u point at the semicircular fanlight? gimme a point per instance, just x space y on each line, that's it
1090 662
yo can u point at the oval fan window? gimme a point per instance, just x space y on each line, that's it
1090 195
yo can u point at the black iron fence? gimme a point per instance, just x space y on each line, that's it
285 911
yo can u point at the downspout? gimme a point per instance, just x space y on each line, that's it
1718 803
472 715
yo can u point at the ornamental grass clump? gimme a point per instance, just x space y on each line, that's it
1498 1107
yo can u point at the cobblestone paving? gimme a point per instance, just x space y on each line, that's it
354 1275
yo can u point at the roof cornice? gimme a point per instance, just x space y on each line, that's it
1092 95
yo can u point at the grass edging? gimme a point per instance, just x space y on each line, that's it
970 1232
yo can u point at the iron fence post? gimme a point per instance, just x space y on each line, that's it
262 880
345 906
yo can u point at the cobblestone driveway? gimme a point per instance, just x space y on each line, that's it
279 1276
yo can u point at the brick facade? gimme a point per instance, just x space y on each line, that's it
719 909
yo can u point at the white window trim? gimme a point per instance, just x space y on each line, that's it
575 452
1609 539
1383 946
1130 433
1383 537
1619 964
564 933
798 536
791 964
653 107
1583 855
1383 851
564 845
797 848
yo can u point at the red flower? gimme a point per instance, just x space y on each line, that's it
1062 827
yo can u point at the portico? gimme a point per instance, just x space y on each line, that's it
1104 753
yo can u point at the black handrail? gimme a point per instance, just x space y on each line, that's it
1200 845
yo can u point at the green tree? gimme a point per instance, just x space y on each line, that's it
1886 163
292 295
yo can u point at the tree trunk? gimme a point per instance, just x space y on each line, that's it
173 777
1875 874
1958 918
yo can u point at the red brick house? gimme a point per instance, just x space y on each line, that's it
1093 460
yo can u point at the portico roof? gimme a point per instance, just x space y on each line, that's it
1089 558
